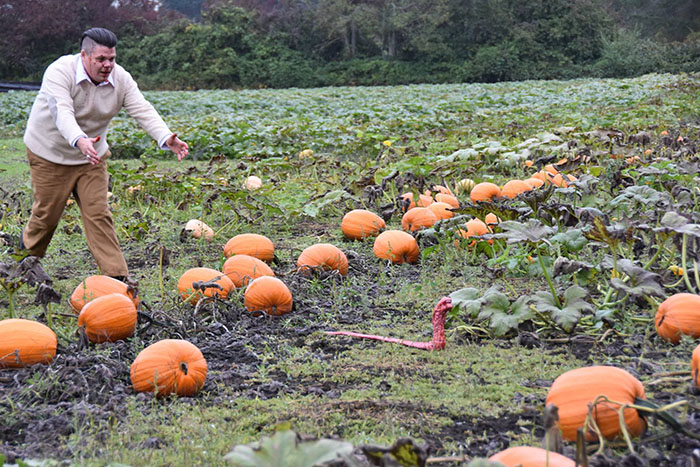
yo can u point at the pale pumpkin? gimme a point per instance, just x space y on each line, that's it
241 269
323 256
485 191
251 244
574 390
417 219
170 366
678 315
24 342
252 183
269 295
108 318
97 286
527 456
199 229
186 284
396 246
361 223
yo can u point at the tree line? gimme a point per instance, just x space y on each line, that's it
190 44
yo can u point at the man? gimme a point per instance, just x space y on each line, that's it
67 145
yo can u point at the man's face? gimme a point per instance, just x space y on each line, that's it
100 63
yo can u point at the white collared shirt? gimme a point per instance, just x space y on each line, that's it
82 75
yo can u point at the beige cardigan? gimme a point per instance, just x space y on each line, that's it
64 111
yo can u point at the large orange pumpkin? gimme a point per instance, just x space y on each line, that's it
574 390
527 456
97 286
170 366
323 256
24 342
484 191
449 199
250 244
475 227
677 315
440 189
441 210
397 246
695 366
514 187
417 219
407 202
269 295
534 182
186 284
361 223
241 269
108 318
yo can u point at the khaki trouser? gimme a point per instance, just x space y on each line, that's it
52 184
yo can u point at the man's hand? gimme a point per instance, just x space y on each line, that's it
177 146
86 146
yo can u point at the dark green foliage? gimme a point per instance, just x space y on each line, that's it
287 43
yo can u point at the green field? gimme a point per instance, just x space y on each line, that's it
573 279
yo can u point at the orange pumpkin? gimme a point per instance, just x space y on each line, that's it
108 318
417 219
475 227
449 199
574 390
514 187
97 286
269 295
695 367
484 191
250 244
677 315
441 210
543 176
534 182
423 201
526 456
170 366
24 342
241 269
186 284
550 169
397 246
441 189
491 219
324 256
360 223
563 181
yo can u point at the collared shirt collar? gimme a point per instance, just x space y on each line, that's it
81 75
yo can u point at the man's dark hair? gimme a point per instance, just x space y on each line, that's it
99 36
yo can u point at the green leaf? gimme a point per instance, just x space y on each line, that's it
283 449
533 231
467 299
573 306
573 239
504 320
639 282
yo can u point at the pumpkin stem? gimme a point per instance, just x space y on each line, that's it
183 367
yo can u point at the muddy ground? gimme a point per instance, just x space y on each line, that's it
46 403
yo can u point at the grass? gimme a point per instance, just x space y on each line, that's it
361 391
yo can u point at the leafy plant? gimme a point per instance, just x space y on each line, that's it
285 448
